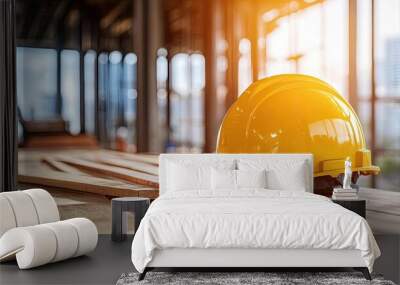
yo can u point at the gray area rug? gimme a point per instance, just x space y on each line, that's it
228 278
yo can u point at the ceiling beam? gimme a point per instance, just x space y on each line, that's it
122 26
113 15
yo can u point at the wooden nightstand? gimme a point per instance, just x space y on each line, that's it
357 206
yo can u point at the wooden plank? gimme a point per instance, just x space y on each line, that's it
147 158
134 165
95 173
95 185
37 154
61 166
113 171
34 171
61 142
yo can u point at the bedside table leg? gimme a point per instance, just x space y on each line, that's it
118 227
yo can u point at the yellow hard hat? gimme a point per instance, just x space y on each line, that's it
294 113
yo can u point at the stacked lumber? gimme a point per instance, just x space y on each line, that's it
102 172
60 140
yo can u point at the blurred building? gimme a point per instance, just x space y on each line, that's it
392 64
159 75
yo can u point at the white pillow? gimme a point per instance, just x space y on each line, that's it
187 177
195 174
281 174
223 179
293 179
251 178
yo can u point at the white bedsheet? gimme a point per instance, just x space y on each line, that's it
250 219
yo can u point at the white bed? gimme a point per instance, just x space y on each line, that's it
193 224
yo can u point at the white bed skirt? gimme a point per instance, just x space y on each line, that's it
192 257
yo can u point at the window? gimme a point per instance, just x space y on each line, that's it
102 97
187 101
129 93
387 98
179 94
117 100
197 98
309 40
70 89
162 93
37 91
244 68
115 107
383 130
90 105
37 86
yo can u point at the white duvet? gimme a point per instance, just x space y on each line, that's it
250 219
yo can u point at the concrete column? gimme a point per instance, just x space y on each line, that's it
155 41
148 38
139 47
210 94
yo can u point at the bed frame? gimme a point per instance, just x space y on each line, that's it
245 259
241 259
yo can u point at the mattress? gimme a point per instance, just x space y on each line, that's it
250 219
